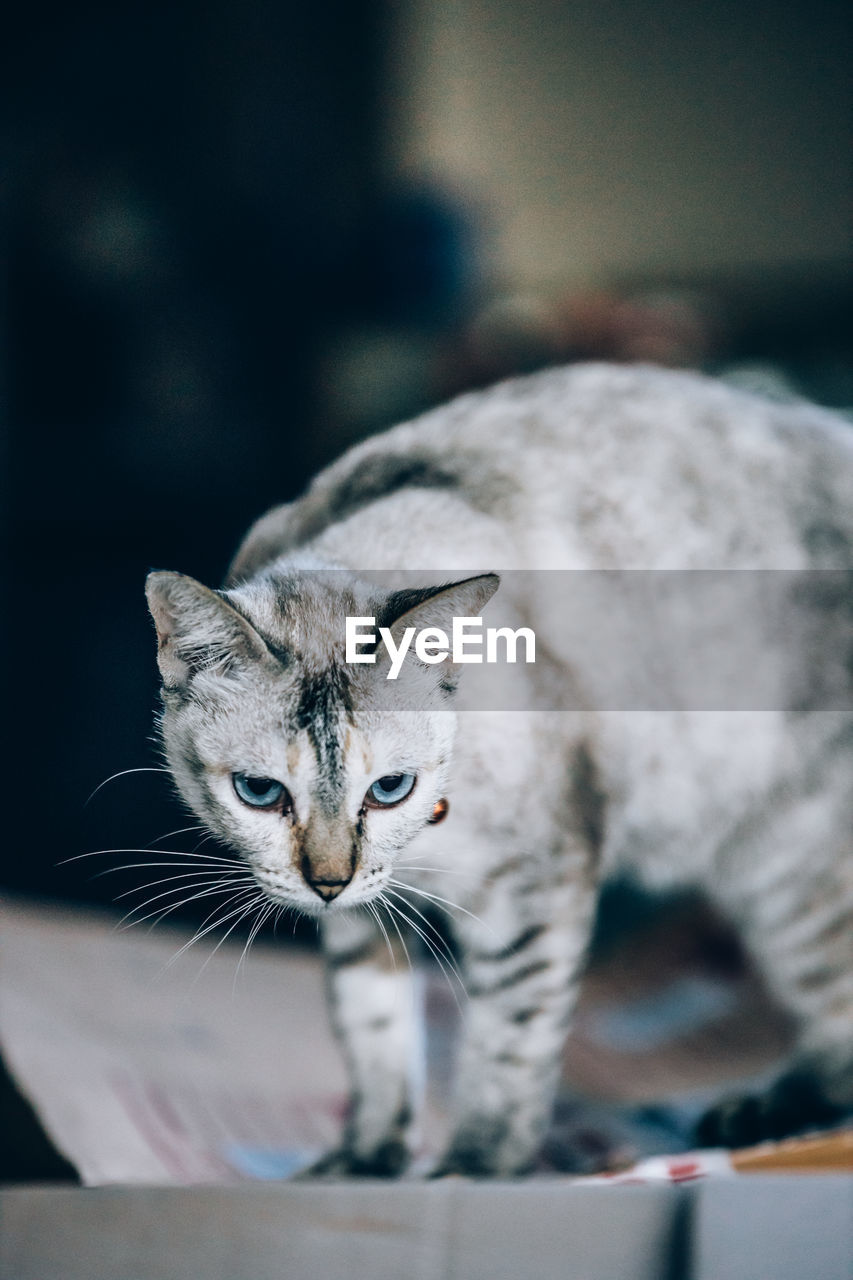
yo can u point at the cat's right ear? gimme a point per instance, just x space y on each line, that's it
196 629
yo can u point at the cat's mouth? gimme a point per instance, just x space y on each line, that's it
318 895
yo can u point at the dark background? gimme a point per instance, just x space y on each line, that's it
196 206
187 186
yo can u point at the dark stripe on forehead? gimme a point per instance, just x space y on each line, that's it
323 700
323 696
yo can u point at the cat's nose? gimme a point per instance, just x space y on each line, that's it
324 888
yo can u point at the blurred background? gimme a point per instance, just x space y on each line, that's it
240 237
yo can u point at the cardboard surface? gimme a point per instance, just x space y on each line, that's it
774 1227
427 1231
768 1227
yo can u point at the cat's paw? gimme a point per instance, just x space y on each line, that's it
472 1161
459 1167
487 1146
388 1160
794 1104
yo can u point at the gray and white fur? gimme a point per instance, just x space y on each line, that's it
584 468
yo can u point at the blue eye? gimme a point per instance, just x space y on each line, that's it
260 793
389 790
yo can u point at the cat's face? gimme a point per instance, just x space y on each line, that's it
317 772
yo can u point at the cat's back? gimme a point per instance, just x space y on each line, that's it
601 466
595 466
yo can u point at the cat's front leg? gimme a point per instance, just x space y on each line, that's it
375 1016
522 968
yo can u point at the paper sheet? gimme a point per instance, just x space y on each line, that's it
145 1072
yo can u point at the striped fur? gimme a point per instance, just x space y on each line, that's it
586 468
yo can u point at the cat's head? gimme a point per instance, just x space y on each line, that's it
318 771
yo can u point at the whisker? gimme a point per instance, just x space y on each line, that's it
210 889
217 857
434 933
374 911
446 974
420 866
203 864
240 912
388 906
180 831
171 853
161 914
123 774
263 916
393 907
203 840
96 853
252 905
228 879
444 903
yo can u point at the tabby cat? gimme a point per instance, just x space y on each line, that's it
331 781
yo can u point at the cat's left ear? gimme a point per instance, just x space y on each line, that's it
196 629
421 607
437 607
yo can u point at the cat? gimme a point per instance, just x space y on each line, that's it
361 802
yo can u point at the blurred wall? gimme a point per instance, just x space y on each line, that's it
633 136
